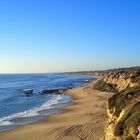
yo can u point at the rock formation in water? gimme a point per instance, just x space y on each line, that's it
53 91
28 92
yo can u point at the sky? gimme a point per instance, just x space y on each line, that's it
39 36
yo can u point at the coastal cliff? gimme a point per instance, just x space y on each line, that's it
124 106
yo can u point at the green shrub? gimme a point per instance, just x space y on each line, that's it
129 123
132 123
103 86
129 138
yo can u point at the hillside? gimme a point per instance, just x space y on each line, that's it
124 106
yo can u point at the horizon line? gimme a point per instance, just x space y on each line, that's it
70 71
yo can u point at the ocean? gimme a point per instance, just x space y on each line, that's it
17 109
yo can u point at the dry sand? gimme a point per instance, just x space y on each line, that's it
85 119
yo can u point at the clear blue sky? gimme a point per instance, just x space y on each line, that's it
68 35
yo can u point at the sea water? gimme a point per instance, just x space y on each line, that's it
17 109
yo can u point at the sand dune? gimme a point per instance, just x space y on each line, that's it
85 119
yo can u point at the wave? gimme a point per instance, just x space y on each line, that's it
31 112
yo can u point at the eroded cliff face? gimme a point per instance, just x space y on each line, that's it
123 80
124 115
124 106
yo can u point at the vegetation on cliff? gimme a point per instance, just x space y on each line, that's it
124 105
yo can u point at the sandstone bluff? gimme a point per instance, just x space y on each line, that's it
124 106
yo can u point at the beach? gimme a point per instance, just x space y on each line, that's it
84 119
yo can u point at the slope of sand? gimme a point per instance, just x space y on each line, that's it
85 119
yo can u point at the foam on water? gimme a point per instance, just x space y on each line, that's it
32 112
17 109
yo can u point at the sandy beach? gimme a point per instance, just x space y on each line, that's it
85 119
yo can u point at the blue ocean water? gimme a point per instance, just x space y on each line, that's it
17 109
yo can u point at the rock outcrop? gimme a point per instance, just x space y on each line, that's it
123 80
53 91
124 106
28 92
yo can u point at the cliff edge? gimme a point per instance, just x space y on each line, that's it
124 106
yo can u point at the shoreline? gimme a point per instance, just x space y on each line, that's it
32 120
84 118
